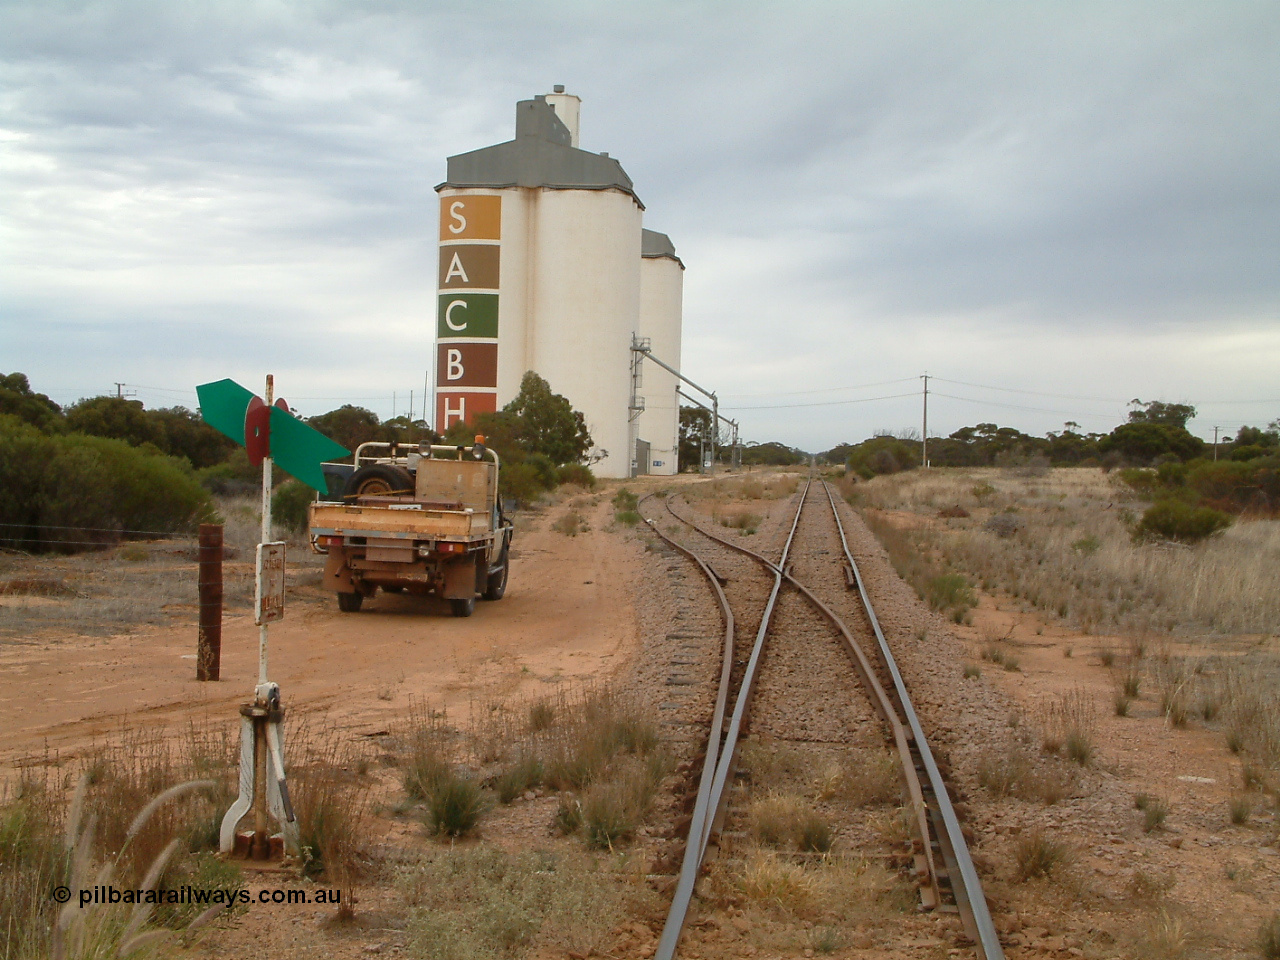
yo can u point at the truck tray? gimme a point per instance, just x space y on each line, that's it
411 520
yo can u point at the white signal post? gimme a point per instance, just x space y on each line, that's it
266 538
263 788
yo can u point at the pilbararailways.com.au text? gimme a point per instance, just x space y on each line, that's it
102 894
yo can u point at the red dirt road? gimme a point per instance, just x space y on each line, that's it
567 615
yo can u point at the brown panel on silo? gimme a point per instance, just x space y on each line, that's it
469 266
467 364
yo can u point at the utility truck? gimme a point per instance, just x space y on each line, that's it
416 518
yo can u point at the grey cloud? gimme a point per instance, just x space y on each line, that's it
851 170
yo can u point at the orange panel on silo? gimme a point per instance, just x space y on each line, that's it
470 218
453 407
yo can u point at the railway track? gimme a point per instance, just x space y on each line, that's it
785 649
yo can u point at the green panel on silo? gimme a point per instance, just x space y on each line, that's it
467 315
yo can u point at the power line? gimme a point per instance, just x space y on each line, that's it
1015 406
797 393
1033 393
824 403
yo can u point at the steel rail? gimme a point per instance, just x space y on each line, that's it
693 852
709 812
969 894
930 892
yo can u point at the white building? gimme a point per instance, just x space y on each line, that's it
545 265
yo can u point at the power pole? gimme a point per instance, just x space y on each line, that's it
119 391
1215 444
924 427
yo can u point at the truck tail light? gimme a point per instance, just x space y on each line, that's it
331 541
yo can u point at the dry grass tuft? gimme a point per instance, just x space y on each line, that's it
868 778
1165 937
331 802
1269 938
613 807
1240 808
1145 889
1154 811
1013 772
766 879
1069 722
779 820
597 745
427 746
32 861
737 518
475 903
455 806
570 523
1037 855
1072 555
770 764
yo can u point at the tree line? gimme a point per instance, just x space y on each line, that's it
97 469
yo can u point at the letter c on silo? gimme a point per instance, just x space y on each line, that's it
448 315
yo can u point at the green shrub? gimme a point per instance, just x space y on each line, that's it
71 491
521 481
234 476
544 468
624 499
578 474
1174 520
1236 486
289 505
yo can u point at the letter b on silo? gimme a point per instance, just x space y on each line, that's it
453 365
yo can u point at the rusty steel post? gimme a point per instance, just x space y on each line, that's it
209 646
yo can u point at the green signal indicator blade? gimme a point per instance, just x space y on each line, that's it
300 449
222 406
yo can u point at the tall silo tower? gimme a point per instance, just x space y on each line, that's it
540 269
661 310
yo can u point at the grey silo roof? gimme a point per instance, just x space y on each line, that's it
539 156
655 244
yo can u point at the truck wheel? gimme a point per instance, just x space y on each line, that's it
463 608
378 480
496 585
350 602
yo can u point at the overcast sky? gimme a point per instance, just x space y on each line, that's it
1052 208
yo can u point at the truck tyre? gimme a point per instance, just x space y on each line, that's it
350 602
496 585
463 608
378 480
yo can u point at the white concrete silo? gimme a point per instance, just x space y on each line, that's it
661 318
569 282
585 300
